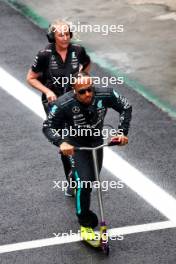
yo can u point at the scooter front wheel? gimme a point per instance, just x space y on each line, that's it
105 248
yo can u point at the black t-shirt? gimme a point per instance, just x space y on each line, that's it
56 74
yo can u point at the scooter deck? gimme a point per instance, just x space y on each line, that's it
93 243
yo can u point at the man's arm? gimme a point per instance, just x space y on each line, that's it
53 129
120 104
32 79
84 60
54 124
35 72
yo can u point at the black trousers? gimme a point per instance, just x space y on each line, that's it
83 174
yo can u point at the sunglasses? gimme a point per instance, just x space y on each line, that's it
83 91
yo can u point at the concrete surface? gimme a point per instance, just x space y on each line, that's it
145 50
171 4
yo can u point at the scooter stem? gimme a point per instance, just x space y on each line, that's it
100 201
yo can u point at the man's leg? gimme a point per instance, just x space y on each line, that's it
83 172
67 166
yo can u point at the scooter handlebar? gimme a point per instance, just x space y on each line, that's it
112 142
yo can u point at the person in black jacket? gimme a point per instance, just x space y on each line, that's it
57 61
84 110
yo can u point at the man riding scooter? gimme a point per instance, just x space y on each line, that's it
83 109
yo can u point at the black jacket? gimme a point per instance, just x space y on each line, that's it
68 114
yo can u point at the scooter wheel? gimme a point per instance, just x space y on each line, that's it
105 249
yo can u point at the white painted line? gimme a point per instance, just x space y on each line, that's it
148 190
115 232
21 92
121 169
126 230
40 243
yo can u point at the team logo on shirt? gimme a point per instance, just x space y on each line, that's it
75 109
73 55
54 109
74 60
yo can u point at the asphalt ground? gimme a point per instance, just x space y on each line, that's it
31 209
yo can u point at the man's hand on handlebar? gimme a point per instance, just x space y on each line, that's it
123 140
66 149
